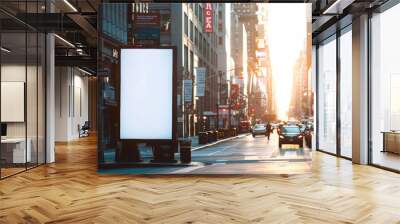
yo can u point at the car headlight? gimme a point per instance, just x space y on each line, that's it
300 136
280 136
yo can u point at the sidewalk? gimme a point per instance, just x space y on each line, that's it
146 151
197 146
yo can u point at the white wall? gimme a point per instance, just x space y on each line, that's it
16 73
71 103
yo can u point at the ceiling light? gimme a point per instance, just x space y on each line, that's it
338 6
70 5
5 50
64 40
84 71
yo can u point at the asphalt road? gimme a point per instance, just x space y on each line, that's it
244 155
248 149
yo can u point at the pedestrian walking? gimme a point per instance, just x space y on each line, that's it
269 130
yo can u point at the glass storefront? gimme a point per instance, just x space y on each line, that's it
112 35
335 94
327 95
22 87
385 89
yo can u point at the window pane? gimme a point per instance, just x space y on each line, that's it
13 86
346 94
386 88
327 96
31 97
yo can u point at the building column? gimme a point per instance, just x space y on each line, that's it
360 90
50 98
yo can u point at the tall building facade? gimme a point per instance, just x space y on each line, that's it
263 60
224 63
244 20
301 105
183 26
241 72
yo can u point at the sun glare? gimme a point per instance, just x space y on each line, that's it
287 31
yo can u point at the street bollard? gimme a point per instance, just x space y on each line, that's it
211 136
203 138
163 153
217 135
221 134
185 148
235 132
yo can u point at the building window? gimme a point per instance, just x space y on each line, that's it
204 47
196 36
200 14
185 58
220 40
191 30
201 42
191 62
185 24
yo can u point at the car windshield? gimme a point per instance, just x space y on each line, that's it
294 130
259 126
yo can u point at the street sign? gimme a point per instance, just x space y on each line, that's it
208 18
200 74
147 19
187 90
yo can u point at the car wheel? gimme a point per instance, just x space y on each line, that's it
301 145
254 135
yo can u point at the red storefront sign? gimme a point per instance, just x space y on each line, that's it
235 91
208 18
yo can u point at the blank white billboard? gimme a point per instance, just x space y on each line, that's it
146 94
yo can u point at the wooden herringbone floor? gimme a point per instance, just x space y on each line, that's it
70 191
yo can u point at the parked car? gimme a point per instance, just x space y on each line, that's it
245 127
259 129
290 134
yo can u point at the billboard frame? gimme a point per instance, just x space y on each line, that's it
174 96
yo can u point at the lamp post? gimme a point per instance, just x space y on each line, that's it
219 89
230 97
219 96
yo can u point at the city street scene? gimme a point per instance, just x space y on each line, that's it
231 91
189 112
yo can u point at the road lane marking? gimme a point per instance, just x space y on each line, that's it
224 148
